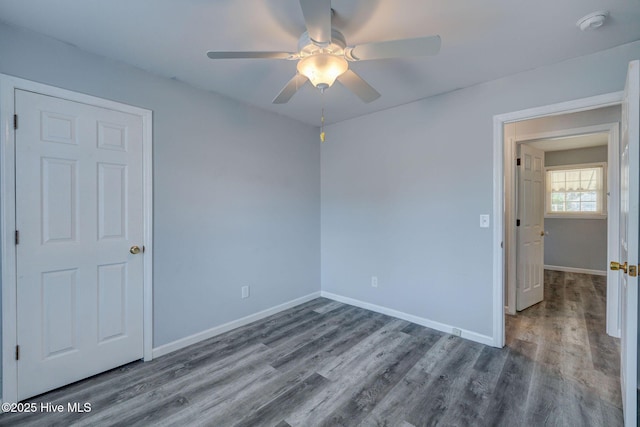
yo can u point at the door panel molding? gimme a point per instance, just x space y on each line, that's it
8 86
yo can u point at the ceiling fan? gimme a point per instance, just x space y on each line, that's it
323 55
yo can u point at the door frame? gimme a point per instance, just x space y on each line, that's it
613 216
8 86
503 183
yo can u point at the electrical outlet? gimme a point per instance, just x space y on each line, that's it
457 332
374 281
245 292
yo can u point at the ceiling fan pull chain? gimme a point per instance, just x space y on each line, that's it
322 121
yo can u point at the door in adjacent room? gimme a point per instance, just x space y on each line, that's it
79 216
530 231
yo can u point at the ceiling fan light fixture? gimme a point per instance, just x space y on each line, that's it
323 54
322 69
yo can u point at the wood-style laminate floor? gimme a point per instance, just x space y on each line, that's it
325 363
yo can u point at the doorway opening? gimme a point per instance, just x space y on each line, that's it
573 225
576 312
504 168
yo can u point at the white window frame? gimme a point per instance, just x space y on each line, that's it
578 215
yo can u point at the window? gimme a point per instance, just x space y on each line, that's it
576 190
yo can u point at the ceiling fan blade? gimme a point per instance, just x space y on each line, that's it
251 55
317 18
357 85
421 46
290 89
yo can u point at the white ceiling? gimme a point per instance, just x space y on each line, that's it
481 41
571 142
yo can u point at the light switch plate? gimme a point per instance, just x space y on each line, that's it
484 221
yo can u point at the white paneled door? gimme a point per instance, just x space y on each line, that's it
79 217
530 232
629 188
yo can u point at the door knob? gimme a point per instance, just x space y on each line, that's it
542 233
135 250
617 266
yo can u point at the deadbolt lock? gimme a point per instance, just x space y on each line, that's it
633 271
617 266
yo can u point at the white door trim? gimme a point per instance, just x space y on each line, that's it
613 216
503 172
8 85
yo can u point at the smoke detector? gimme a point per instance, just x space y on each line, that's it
593 20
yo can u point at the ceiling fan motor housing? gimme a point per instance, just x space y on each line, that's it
307 47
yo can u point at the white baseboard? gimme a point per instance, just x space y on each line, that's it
575 270
470 335
217 330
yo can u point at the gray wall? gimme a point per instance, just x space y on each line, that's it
576 156
236 189
402 191
570 242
